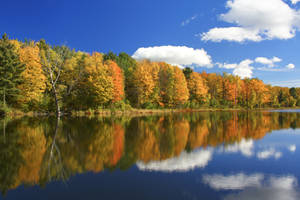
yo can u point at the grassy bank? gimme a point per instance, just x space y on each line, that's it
13 113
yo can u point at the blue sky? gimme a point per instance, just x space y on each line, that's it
257 38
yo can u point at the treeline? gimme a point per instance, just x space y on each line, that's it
35 76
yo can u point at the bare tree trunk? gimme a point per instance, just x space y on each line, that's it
53 84
58 112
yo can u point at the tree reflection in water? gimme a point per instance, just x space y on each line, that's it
36 151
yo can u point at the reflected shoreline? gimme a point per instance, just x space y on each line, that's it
44 150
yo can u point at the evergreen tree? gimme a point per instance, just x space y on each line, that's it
128 65
10 70
293 93
110 56
187 72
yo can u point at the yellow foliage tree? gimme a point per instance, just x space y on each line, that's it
197 87
34 80
173 85
146 83
96 88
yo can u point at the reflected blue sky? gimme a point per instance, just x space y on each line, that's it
265 169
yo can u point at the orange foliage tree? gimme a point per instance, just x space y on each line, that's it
118 80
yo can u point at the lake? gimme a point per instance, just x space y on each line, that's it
204 155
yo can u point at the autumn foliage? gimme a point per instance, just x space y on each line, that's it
61 78
34 80
118 80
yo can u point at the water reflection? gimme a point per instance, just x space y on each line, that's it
184 162
255 186
38 151
269 153
243 146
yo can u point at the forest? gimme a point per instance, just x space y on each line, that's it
38 77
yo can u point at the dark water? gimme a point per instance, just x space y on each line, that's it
217 155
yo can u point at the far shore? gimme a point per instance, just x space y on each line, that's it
134 112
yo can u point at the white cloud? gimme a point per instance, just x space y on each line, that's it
271 63
243 69
276 59
292 148
269 154
289 83
295 1
189 20
236 34
256 20
269 69
185 162
175 55
233 182
227 66
245 147
290 66
266 61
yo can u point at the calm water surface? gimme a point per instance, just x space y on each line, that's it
208 155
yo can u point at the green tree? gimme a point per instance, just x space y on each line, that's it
187 72
110 56
128 65
71 77
293 93
10 70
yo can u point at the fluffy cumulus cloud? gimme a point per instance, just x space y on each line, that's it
185 162
290 66
236 34
266 61
243 69
255 186
256 20
175 55
269 153
269 64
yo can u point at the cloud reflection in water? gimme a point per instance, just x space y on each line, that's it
255 186
184 162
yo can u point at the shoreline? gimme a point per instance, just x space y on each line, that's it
133 112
